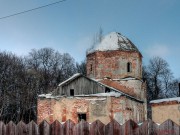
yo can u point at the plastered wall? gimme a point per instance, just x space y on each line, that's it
163 111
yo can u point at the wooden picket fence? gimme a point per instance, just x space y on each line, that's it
84 128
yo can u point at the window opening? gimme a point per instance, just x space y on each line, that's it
128 67
81 116
107 90
91 68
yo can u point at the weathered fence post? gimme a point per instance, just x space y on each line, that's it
56 128
2 128
22 128
68 127
130 128
148 128
33 128
10 128
44 128
97 128
82 128
169 128
113 128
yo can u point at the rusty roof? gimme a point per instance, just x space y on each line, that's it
116 85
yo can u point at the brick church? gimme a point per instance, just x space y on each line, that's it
112 89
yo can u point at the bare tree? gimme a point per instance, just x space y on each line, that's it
43 64
160 81
81 67
12 86
66 67
50 67
22 79
159 78
174 88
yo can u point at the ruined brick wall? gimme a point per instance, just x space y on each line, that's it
124 109
163 111
102 108
44 110
137 86
113 64
69 108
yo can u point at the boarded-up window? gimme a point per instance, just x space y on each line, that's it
71 92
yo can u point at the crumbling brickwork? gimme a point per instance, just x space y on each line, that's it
130 87
102 108
117 68
113 64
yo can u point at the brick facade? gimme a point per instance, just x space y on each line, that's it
102 108
118 70
113 64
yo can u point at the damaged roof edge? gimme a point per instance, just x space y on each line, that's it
70 79
122 93
131 97
49 96
79 75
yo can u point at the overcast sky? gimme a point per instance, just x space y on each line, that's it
152 25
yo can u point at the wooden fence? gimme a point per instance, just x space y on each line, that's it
96 128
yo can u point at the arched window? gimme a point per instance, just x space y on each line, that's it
129 67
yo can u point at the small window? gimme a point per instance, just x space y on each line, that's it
107 90
129 67
81 116
71 92
91 68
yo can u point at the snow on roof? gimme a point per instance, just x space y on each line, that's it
95 99
165 100
120 91
116 92
110 94
71 78
47 96
114 41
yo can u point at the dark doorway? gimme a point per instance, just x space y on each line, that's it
71 92
81 116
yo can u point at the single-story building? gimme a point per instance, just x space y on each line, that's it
164 109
